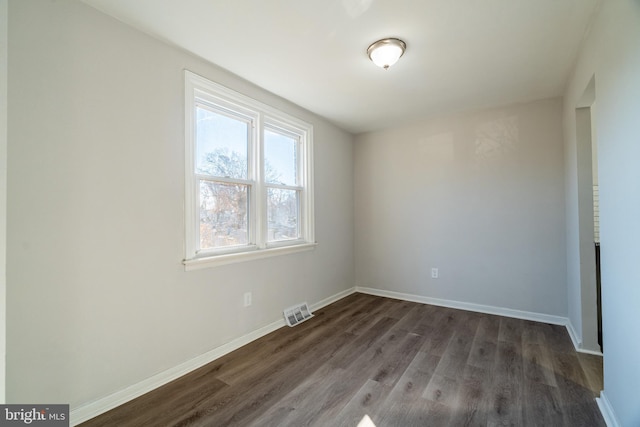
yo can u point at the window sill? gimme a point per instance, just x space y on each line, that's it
217 260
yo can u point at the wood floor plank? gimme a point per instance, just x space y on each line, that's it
592 368
511 330
400 309
416 377
394 366
321 396
298 342
346 356
567 365
506 400
366 401
557 337
488 328
418 414
482 354
444 327
533 333
318 395
472 400
441 389
405 403
425 324
455 357
410 318
283 342
485 342
538 365
255 395
542 405
375 310
400 363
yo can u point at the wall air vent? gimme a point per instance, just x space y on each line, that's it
297 314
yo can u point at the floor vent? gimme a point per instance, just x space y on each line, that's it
297 314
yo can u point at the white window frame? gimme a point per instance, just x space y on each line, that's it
199 90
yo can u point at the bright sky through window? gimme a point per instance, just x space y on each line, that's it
280 154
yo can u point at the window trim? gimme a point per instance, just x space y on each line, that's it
201 90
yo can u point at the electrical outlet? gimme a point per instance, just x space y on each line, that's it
434 273
247 299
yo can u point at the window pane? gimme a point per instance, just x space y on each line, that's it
282 214
280 159
221 144
223 214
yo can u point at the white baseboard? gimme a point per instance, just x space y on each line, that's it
325 302
577 342
488 309
93 409
607 411
586 351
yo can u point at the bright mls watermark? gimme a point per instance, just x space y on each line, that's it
34 415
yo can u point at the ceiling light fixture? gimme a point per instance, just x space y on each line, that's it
386 52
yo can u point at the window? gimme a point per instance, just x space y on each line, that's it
249 177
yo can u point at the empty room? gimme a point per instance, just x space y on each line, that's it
328 213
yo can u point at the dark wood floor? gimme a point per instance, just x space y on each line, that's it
400 363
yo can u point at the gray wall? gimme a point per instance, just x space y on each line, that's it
478 195
97 296
612 54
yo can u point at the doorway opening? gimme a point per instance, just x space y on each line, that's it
589 220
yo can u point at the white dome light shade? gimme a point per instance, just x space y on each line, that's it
386 52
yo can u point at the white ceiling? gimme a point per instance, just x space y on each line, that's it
461 54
